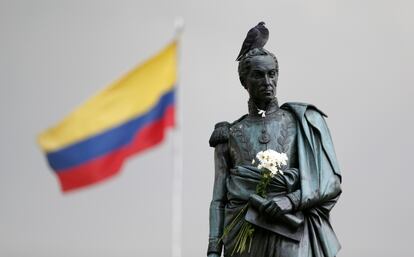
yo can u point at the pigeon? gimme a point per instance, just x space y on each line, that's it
256 38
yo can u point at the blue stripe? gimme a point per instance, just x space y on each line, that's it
109 140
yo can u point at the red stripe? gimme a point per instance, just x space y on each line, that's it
105 166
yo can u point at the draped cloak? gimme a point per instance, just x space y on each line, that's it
320 177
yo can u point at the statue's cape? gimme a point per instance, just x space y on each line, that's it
318 165
320 176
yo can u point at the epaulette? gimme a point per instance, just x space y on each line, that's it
220 134
239 119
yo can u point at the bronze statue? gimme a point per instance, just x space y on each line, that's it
293 218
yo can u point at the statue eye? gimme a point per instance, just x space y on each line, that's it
272 74
257 75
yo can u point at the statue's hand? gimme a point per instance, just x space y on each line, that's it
213 255
274 207
277 206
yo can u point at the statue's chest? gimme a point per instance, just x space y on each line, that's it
254 134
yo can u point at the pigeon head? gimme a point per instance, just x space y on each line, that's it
261 23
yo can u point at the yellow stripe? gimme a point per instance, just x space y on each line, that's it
129 97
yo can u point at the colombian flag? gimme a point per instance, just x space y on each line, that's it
127 117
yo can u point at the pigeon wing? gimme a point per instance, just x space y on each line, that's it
251 37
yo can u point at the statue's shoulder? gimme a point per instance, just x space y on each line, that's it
287 114
221 131
309 113
299 109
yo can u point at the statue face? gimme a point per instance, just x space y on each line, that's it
261 80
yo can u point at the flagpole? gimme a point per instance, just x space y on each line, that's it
177 186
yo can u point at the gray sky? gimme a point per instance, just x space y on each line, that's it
352 59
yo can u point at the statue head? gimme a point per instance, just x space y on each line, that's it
258 73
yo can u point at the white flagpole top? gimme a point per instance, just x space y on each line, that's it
178 26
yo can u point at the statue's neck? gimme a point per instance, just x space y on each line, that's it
269 107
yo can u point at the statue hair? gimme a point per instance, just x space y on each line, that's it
245 62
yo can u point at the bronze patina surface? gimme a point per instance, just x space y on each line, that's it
308 188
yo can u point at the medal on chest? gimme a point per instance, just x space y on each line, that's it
264 137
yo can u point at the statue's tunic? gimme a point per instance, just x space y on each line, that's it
254 133
236 145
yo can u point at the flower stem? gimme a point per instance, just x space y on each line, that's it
244 237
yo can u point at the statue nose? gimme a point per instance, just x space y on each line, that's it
268 81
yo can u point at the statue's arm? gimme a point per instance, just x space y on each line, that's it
219 199
325 203
291 202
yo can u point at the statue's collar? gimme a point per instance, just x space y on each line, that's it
272 107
